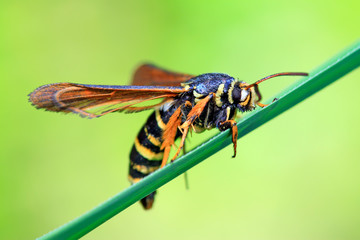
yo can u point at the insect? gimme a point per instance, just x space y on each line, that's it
187 103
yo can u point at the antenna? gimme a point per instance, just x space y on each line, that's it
256 87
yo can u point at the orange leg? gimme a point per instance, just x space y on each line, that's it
265 105
170 132
166 156
169 135
185 132
191 117
262 105
234 130
196 111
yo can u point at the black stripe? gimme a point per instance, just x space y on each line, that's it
135 173
144 141
136 158
165 115
224 99
153 127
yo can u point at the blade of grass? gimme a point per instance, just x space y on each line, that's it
342 64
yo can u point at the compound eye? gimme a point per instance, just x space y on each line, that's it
236 94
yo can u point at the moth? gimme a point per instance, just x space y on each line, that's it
184 103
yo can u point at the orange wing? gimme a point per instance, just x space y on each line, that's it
97 100
151 75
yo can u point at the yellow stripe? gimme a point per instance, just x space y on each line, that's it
219 91
152 139
133 180
160 122
228 113
144 169
186 87
231 88
147 153
197 95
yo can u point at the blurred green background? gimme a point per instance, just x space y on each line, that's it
297 177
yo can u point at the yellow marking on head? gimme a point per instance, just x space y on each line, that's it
159 121
219 91
246 101
231 88
243 85
147 153
144 169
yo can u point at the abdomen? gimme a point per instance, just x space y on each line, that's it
146 155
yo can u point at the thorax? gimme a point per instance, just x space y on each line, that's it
220 107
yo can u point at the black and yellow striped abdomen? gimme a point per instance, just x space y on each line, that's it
146 155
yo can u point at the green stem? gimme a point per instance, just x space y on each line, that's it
318 79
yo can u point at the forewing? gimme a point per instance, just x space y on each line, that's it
151 75
97 100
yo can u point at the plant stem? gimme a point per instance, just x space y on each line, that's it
334 69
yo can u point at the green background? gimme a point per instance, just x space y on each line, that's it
296 177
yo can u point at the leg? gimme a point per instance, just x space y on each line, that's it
185 132
166 156
265 105
185 173
197 110
191 117
234 130
169 135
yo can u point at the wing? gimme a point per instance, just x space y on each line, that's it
97 100
151 75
